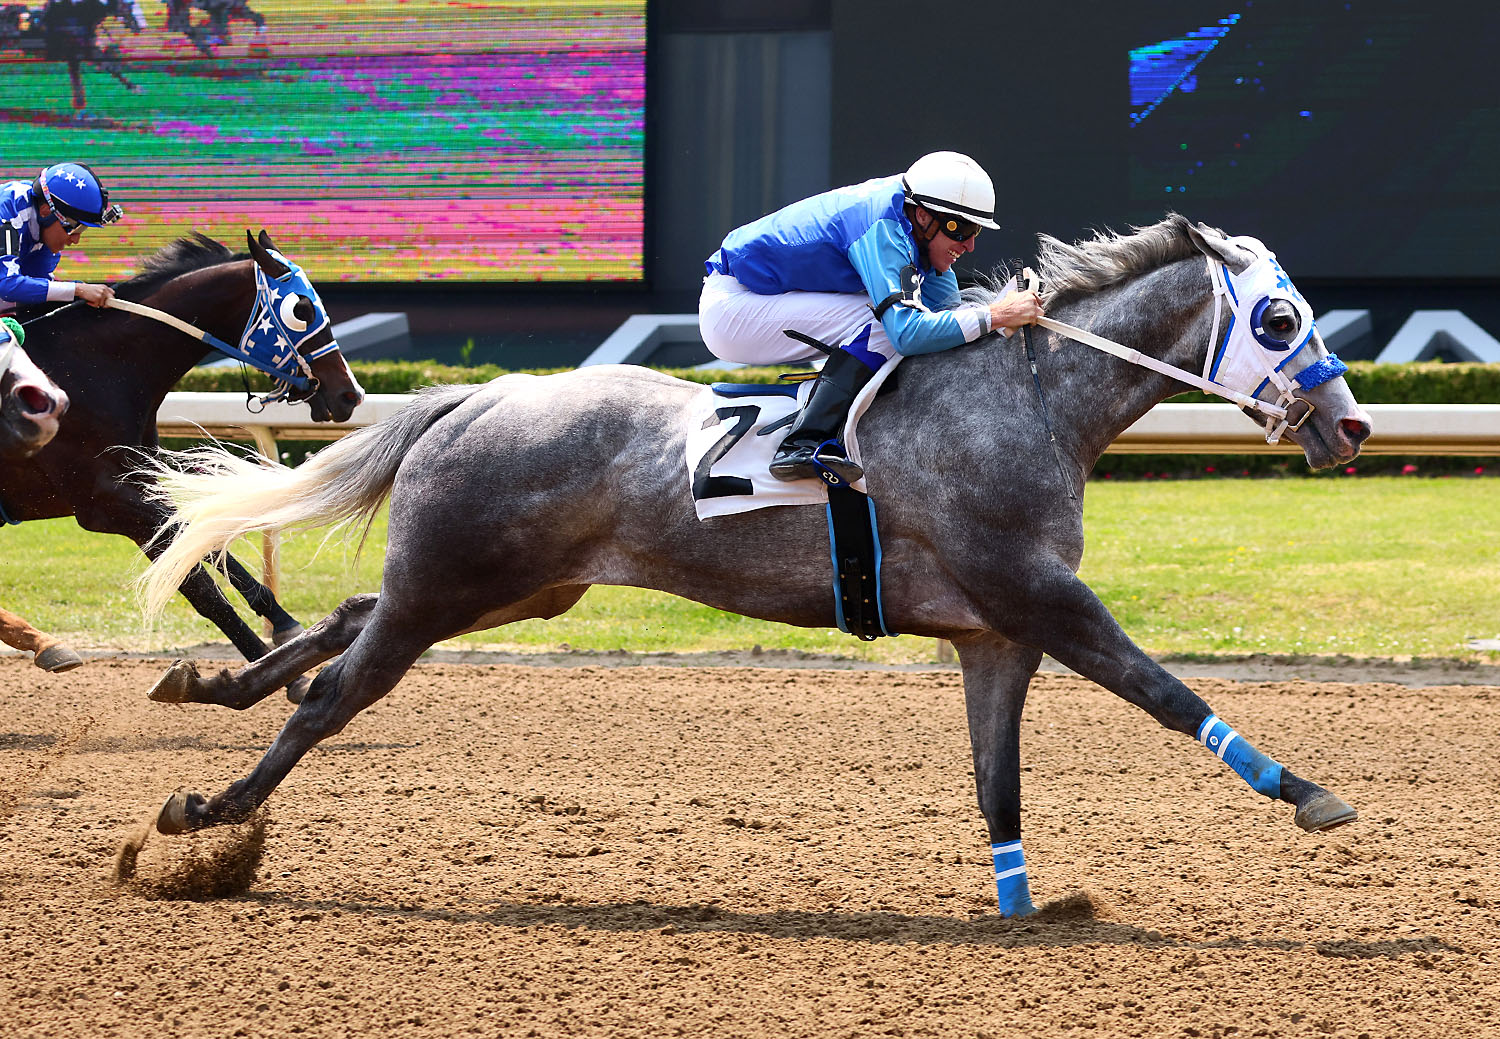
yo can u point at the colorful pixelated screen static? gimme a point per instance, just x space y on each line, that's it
381 140
1361 137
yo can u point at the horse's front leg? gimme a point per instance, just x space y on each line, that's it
996 674
248 686
1060 615
258 597
50 654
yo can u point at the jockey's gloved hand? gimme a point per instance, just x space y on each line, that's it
15 329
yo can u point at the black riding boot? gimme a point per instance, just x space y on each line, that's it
821 421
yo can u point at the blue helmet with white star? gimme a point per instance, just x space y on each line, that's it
74 193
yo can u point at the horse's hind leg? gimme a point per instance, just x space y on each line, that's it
370 668
49 653
284 626
260 678
248 686
1063 617
996 674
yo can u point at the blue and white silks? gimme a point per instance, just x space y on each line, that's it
1010 879
1262 773
26 264
855 241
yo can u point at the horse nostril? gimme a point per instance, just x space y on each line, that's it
35 400
1357 430
353 398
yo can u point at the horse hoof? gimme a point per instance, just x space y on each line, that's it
1324 812
285 635
173 817
57 658
298 689
176 686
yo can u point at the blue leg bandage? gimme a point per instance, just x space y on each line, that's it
1010 879
1262 773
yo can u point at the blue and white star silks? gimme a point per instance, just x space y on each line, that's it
1010 879
26 264
1262 773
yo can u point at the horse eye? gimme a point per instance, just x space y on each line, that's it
1281 321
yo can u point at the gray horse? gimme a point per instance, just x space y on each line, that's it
508 500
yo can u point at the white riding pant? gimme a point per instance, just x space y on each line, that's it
745 327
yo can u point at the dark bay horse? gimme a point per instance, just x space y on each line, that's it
117 368
508 500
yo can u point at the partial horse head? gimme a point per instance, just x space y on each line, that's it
289 313
31 404
1269 329
1216 306
262 310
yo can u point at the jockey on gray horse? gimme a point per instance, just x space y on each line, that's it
867 268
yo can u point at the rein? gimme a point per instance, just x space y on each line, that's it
1287 400
1126 353
302 380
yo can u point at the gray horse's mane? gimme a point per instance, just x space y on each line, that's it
1070 271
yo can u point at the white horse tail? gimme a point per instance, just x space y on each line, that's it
215 496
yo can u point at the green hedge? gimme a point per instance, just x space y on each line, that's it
406 376
1424 382
1421 383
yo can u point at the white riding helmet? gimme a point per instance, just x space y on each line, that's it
949 182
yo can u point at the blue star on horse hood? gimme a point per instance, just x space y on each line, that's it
26 265
852 240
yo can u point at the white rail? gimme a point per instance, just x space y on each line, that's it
1400 429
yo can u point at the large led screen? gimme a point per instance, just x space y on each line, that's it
1361 137
387 140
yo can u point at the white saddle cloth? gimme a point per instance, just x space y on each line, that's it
733 436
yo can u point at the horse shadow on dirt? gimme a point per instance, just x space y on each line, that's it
1066 922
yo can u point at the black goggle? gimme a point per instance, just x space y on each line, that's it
68 226
956 228
109 216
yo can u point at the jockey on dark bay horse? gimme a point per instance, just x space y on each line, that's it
38 220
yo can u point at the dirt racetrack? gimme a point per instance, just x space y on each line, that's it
761 852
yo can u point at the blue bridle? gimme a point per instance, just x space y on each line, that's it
274 331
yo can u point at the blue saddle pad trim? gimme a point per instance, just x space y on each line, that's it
854 548
754 389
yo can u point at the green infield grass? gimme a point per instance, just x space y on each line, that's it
1375 567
